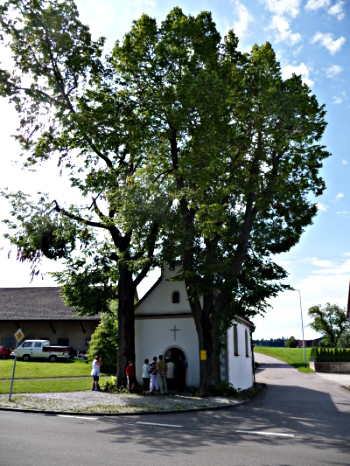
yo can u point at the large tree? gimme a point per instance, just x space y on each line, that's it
180 119
331 322
239 149
72 110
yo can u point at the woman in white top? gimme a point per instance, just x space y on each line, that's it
95 372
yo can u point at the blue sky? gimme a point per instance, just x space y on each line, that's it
310 38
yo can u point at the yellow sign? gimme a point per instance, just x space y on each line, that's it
19 335
203 355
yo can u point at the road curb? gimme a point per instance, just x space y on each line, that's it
164 411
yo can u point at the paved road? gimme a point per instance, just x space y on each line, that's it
299 419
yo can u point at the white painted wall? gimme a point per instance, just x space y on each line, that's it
160 300
153 337
239 367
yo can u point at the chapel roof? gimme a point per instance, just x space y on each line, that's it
36 303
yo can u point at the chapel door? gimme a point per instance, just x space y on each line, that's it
174 353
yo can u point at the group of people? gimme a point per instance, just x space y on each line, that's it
157 376
160 375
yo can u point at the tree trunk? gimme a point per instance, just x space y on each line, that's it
208 330
126 326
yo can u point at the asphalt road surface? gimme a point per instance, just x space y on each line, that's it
299 419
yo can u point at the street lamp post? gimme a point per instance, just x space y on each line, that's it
302 326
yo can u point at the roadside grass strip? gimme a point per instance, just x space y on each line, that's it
40 369
47 385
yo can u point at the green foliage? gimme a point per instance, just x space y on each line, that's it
330 354
225 389
103 343
273 342
292 342
179 145
330 321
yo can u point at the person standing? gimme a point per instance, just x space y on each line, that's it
170 374
130 374
154 375
145 376
162 369
95 372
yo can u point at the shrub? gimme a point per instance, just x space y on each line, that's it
104 343
330 354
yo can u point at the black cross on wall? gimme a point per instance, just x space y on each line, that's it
174 330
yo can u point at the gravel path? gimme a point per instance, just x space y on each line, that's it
101 402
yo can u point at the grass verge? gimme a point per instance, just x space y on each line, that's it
47 386
292 356
40 369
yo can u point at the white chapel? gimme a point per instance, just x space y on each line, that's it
164 325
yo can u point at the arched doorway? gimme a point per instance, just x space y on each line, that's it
173 354
179 382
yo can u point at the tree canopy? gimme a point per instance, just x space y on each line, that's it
331 322
185 147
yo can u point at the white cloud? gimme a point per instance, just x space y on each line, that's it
337 10
287 72
321 262
313 5
281 26
337 100
339 196
327 41
297 51
344 162
322 207
283 7
244 18
333 71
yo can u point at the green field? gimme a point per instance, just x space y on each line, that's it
46 377
292 356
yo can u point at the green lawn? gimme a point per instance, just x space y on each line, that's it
39 369
48 385
292 356
46 377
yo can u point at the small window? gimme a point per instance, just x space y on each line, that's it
176 297
27 344
37 344
87 341
235 340
63 341
7 341
246 344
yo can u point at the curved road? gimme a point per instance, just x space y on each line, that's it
298 419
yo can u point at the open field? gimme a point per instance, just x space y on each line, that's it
48 385
46 377
292 356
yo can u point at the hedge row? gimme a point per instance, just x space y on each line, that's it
330 354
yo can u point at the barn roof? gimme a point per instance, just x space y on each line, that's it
42 303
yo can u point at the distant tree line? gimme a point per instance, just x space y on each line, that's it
275 342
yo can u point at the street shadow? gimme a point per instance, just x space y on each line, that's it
264 366
309 414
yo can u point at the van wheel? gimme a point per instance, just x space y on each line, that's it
26 357
52 358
